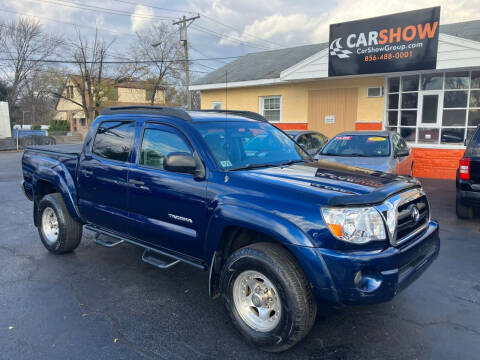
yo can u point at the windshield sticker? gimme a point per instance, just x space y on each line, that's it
226 163
376 138
343 138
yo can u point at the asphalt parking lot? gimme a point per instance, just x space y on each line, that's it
99 303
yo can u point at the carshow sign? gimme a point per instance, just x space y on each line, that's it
399 42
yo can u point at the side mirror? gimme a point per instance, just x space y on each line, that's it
180 162
402 153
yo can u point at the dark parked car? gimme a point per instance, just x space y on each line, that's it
311 141
279 233
468 179
375 150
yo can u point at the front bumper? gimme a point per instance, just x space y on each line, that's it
371 276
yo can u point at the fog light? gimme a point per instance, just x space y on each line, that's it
367 280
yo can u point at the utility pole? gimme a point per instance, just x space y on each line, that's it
184 24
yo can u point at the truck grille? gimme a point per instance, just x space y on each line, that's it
412 217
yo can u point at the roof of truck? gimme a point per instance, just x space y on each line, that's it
189 116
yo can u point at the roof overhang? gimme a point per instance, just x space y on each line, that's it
453 53
237 84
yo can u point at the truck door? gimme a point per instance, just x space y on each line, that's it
102 175
166 209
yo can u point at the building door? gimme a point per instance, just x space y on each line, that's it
332 111
429 118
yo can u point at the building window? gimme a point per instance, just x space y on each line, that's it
83 122
271 108
69 92
217 105
435 108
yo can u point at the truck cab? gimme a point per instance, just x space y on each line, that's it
229 193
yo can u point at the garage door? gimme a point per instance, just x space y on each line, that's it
332 111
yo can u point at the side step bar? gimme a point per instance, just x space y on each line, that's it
150 255
107 242
152 258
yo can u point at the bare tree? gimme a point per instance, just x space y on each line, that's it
93 87
37 97
160 46
25 46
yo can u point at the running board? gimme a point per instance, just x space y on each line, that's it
107 242
151 257
148 252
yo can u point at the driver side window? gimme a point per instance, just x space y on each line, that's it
157 144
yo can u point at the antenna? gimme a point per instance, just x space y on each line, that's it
226 129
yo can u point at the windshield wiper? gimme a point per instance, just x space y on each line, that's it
291 162
252 166
357 154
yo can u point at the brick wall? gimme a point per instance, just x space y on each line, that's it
436 163
368 126
291 126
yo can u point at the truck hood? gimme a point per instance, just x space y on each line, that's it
372 163
341 184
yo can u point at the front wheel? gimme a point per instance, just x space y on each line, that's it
268 296
59 232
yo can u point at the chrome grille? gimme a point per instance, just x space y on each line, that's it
406 224
399 215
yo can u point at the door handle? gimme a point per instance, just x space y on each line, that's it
136 182
87 172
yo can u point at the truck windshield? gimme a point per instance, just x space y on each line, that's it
242 145
358 145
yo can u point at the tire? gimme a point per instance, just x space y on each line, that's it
67 234
463 211
296 305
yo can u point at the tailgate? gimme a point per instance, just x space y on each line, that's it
475 171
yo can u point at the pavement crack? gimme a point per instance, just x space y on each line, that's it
116 333
433 323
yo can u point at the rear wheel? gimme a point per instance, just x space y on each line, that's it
268 296
59 232
463 211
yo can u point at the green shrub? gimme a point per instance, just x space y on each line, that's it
36 127
59 126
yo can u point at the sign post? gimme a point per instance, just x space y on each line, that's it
400 42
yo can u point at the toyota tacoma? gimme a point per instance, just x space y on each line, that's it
227 192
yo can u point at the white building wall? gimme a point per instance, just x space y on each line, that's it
5 129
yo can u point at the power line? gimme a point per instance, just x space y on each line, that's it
228 37
119 62
204 16
76 5
151 17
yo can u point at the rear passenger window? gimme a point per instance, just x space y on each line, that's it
157 144
114 140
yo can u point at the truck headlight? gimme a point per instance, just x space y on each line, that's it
355 225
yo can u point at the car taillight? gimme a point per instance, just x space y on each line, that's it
464 169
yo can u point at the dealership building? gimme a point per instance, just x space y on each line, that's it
433 100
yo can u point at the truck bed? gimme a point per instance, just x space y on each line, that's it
63 149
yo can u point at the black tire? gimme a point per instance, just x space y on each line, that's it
69 230
463 211
298 305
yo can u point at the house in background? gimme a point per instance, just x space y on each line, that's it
121 93
434 110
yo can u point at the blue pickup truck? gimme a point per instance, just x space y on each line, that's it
227 192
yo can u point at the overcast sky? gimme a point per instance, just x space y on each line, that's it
226 27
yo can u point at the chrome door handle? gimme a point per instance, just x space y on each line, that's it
136 182
87 172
